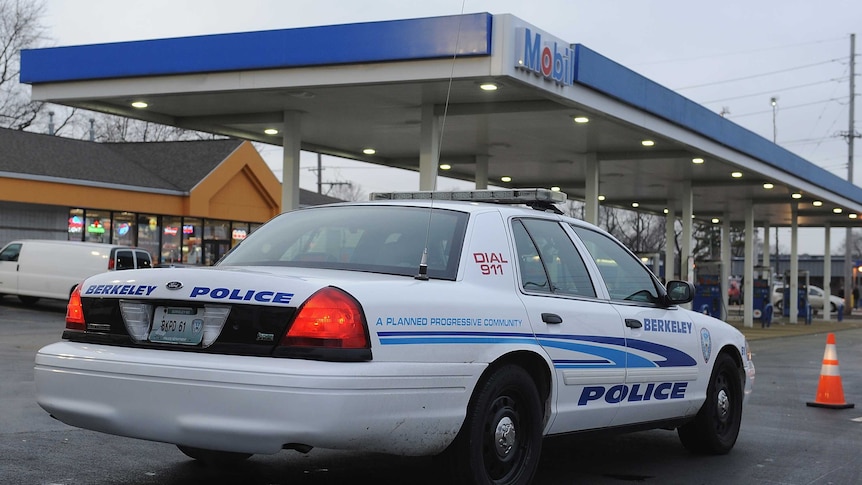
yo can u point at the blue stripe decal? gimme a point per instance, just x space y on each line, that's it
609 352
397 40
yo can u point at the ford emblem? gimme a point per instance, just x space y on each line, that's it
174 285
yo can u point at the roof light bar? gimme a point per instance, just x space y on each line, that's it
504 196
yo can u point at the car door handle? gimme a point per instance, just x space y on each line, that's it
632 323
551 318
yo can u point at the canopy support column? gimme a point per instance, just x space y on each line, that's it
429 148
291 139
748 272
793 307
591 202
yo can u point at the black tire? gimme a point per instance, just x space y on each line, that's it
501 438
716 426
28 300
833 308
779 306
213 457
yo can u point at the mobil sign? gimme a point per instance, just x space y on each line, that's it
548 58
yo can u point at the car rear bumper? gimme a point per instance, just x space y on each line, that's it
254 404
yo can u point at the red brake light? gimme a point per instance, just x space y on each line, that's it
329 318
111 264
75 311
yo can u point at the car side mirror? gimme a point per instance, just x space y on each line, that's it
679 292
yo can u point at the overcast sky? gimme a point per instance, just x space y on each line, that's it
732 55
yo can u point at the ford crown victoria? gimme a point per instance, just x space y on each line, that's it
408 325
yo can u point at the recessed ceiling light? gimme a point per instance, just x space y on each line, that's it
601 197
837 210
369 151
555 189
715 220
853 216
581 119
505 178
796 195
736 175
768 186
488 87
635 204
445 166
648 143
271 131
666 211
817 203
697 161
139 104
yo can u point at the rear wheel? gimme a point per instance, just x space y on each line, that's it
501 438
213 457
716 426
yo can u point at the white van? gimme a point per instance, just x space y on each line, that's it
33 269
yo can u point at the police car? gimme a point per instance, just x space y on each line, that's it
415 324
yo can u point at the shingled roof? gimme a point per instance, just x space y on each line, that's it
176 166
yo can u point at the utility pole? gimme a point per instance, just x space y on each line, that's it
851 135
319 173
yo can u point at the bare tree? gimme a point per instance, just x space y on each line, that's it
20 28
110 128
349 191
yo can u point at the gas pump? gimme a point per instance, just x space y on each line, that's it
762 289
707 288
803 308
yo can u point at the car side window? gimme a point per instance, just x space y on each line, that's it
625 278
548 259
10 252
125 260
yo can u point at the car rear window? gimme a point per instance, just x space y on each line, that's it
375 238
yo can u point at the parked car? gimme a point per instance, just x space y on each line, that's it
33 268
816 299
468 330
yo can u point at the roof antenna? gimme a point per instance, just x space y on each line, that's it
423 263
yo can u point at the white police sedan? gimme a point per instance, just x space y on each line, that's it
409 325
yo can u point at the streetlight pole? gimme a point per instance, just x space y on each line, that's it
774 101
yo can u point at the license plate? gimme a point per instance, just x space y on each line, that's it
177 325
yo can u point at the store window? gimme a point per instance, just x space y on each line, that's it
148 234
191 231
239 231
172 237
76 225
97 226
124 229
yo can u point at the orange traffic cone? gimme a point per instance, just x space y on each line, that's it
830 393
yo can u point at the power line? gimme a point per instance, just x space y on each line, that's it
785 108
749 51
773 91
757 75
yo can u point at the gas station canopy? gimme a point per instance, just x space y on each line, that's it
557 107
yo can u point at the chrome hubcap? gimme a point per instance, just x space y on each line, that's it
723 404
505 436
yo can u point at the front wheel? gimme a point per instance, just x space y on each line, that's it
716 426
214 457
501 438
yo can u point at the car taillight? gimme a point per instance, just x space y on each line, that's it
75 312
111 264
330 318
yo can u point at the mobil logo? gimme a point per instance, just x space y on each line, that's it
554 61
